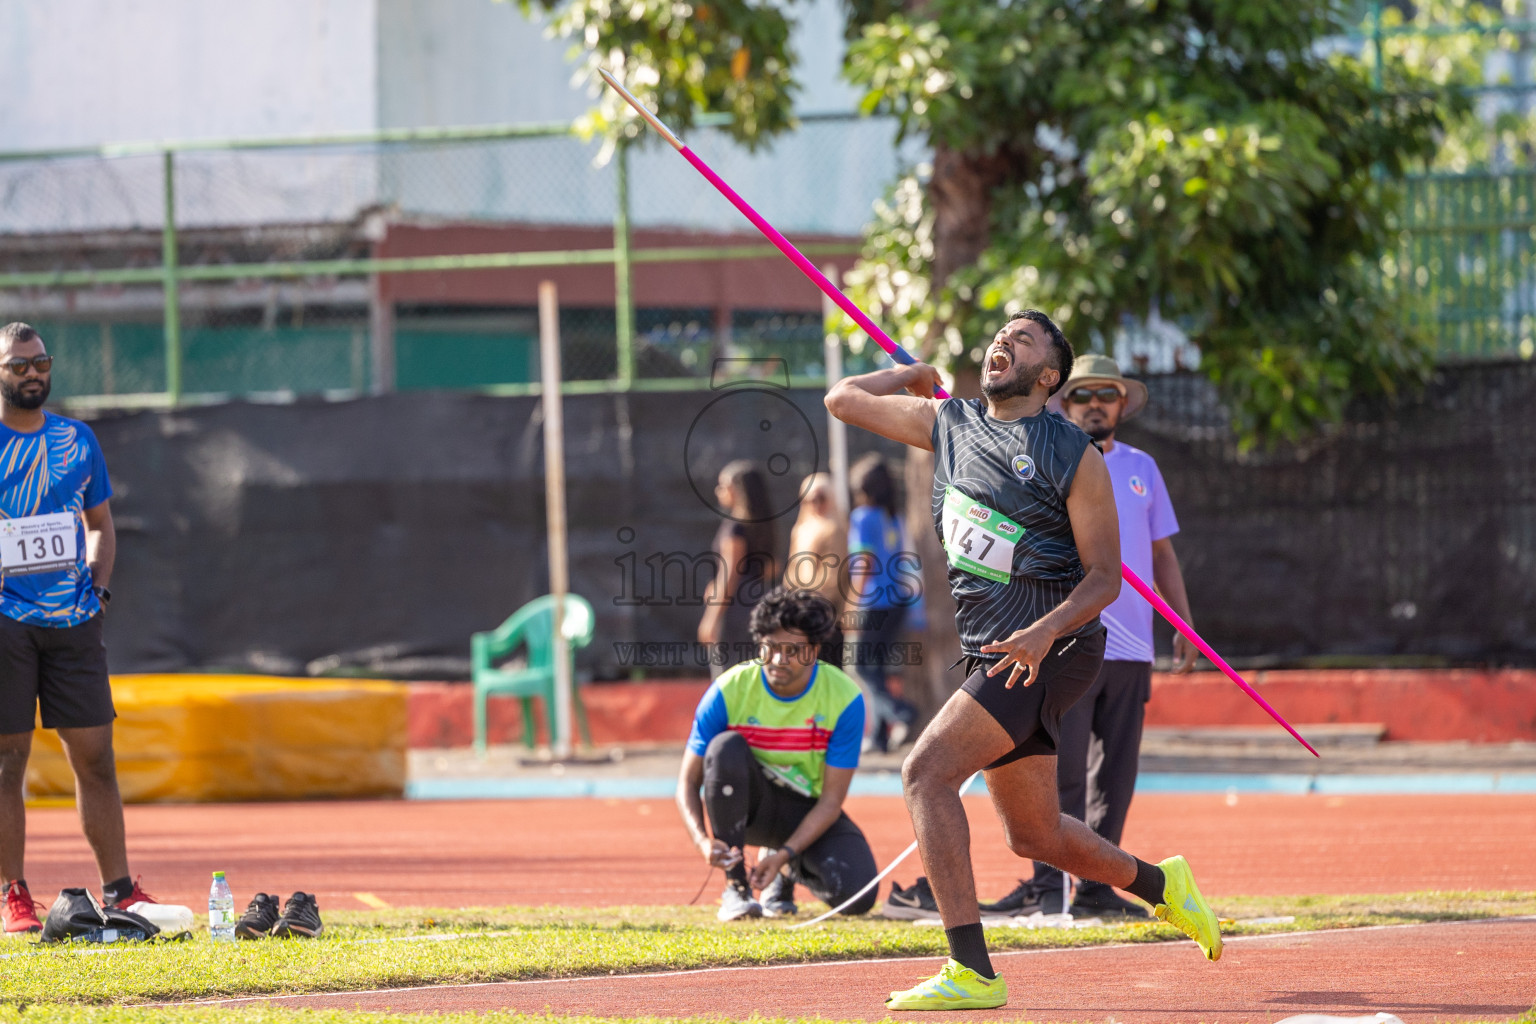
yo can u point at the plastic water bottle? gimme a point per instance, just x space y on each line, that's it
221 910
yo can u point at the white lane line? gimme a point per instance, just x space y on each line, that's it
819 964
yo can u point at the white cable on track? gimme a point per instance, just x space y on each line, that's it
877 879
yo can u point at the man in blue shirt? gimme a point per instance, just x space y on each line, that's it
57 547
882 579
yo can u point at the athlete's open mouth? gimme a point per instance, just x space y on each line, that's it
999 361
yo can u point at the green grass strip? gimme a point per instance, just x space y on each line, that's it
503 944
265 1015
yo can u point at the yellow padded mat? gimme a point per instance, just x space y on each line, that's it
211 738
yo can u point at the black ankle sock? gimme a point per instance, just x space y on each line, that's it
968 945
118 890
1149 882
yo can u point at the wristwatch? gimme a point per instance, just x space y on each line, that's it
103 595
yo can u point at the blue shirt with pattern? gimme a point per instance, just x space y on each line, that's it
59 468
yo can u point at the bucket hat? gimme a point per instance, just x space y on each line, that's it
1093 368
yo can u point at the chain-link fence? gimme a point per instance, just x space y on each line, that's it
410 259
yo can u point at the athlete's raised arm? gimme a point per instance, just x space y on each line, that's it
875 401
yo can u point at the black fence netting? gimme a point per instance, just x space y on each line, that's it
1407 532
374 535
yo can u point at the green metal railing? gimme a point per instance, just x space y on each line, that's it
172 273
1470 254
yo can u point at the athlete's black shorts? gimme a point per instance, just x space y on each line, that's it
61 668
1032 714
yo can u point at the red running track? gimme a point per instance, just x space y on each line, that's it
1421 973
607 852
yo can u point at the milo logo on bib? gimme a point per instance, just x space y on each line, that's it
978 539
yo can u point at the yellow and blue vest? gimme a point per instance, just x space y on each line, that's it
793 738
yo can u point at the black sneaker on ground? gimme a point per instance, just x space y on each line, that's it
258 919
1030 896
1095 899
914 904
301 918
779 898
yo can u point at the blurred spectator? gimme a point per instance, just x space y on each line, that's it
877 600
818 545
746 568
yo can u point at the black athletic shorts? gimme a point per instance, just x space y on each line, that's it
62 668
1032 714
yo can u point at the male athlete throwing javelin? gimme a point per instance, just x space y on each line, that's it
1026 513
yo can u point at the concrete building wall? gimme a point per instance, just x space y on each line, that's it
475 61
88 72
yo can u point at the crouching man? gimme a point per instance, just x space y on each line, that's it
774 745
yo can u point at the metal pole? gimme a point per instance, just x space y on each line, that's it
402 265
623 296
554 506
1376 74
168 260
837 430
381 337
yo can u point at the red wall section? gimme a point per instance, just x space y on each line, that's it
770 282
1496 706
442 714
1426 705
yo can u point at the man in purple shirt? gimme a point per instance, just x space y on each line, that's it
1101 734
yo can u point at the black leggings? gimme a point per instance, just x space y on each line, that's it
746 807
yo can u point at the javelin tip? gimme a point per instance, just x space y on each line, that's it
650 118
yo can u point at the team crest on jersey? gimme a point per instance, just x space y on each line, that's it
1024 466
1138 488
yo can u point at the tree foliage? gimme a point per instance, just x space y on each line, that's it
1210 159
682 59
1485 52
1206 159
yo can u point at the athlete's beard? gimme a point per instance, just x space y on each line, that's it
29 400
1023 382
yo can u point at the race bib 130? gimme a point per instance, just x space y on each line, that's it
37 544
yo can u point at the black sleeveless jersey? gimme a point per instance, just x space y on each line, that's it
1022 469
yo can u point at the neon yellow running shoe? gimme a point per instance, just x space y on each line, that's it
1185 909
956 987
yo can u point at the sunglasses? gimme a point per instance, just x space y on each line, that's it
1082 396
18 366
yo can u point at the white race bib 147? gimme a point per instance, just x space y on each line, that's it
979 539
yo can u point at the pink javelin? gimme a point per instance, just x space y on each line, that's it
901 355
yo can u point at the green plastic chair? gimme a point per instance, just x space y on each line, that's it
531 625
